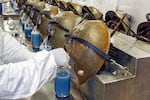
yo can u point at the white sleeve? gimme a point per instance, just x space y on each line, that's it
13 51
23 72
23 79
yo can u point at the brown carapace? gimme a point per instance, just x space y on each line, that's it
84 60
91 13
68 20
112 19
143 31
44 19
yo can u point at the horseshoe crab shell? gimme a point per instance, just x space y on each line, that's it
112 18
43 21
68 20
93 13
84 60
76 8
143 31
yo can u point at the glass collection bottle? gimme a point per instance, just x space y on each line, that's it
35 39
23 19
28 29
62 83
1 7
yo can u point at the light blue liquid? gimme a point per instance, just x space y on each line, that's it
35 39
28 33
62 84
0 8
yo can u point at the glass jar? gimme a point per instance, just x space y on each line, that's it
1 7
28 29
35 39
62 83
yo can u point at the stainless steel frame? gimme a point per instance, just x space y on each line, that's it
135 55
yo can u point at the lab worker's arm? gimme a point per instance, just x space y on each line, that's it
23 79
13 51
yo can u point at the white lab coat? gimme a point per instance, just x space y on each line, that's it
22 72
1 42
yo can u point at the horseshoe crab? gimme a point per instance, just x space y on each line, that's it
80 45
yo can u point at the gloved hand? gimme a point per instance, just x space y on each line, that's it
61 57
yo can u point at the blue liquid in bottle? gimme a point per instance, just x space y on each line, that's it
35 40
62 84
27 32
0 8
